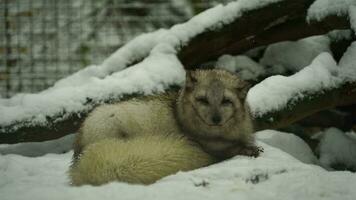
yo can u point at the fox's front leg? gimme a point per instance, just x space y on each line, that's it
246 150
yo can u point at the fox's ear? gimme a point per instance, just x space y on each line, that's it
190 79
242 89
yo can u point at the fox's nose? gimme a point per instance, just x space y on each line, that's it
216 119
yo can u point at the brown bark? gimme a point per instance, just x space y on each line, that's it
275 22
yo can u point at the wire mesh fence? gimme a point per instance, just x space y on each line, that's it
42 41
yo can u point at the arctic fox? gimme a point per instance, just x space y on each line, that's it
212 111
145 139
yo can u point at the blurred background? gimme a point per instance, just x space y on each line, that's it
42 41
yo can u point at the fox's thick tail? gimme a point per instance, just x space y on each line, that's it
142 160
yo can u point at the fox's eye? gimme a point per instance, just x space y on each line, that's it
226 102
202 100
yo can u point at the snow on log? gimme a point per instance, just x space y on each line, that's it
322 9
278 100
156 62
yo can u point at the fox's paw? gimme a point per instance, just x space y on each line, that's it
253 151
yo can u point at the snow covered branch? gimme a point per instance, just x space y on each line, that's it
279 101
156 63
312 103
284 20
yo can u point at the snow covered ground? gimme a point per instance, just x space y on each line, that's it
285 170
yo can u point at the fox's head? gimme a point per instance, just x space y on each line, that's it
213 100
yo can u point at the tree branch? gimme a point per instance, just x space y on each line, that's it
314 102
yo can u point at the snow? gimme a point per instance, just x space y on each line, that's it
281 57
337 147
274 175
159 70
244 66
347 63
337 35
294 56
35 149
323 8
279 91
288 143
352 15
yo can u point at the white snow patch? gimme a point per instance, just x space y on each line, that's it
134 50
294 56
279 58
323 8
337 35
244 66
337 147
348 64
288 143
352 15
277 92
274 175
35 149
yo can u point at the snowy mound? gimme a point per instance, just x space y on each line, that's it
276 174
337 147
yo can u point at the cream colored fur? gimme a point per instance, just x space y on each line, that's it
143 160
130 119
141 141
136 141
